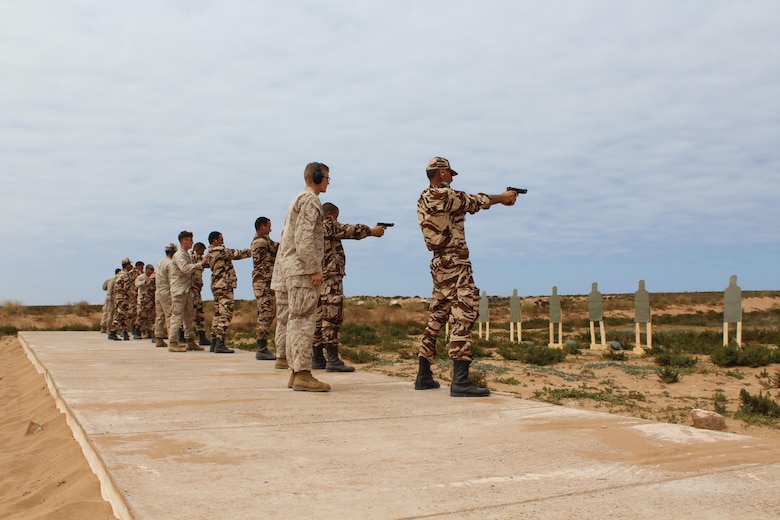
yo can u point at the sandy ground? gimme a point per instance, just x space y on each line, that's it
45 474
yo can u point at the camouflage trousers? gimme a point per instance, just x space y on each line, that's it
297 315
133 311
123 318
266 310
330 312
107 318
200 316
162 307
146 314
223 312
182 315
455 298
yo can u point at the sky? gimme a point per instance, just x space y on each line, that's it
647 134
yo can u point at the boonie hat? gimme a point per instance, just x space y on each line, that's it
171 247
439 163
126 261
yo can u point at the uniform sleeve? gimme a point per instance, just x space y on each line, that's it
334 229
304 238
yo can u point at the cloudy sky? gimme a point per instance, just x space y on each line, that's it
647 134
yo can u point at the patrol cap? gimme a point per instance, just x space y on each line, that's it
171 248
126 261
439 163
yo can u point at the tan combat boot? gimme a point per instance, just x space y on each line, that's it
291 381
305 382
281 363
191 345
160 343
173 346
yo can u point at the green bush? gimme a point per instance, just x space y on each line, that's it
8 330
669 375
674 359
758 404
748 356
542 356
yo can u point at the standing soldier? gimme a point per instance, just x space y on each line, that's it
330 313
223 282
146 303
182 310
134 275
162 297
123 294
263 257
441 214
197 299
108 306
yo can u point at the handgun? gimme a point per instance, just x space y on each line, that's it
385 224
519 191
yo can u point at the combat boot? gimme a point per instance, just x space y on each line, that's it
334 364
461 385
159 342
112 335
318 359
213 342
281 363
174 346
220 348
125 336
305 382
181 336
136 332
103 330
262 353
191 345
291 381
425 380
202 339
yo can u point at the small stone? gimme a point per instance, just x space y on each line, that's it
33 428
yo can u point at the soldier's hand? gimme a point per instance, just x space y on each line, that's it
316 279
377 231
509 198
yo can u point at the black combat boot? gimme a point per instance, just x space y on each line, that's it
334 364
202 339
181 336
318 359
461 384
125 335
425 380
262 353
112 335
136 332
213 342
220 348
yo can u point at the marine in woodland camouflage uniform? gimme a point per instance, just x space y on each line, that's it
162 296
330 312
182 310
441 214
263 257
123 294
297 279
223 283
197 297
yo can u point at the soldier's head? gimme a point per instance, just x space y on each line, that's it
139 266
149 269
317 176
185 239
127 264
438 170
116 271
170 249
330 211
199 247
215 238
263 225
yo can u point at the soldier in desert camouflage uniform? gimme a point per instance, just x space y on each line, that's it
134 274
330 313
197 298
162 297
263 257
297 278
146 303
107 317
223 282
441 214
182 310
123 294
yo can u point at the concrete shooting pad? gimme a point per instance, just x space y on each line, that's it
200 436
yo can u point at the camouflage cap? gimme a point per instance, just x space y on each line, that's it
126 261
171 248
439 163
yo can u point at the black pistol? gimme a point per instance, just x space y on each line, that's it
385 224
519 191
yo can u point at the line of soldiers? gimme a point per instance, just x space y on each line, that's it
169 298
